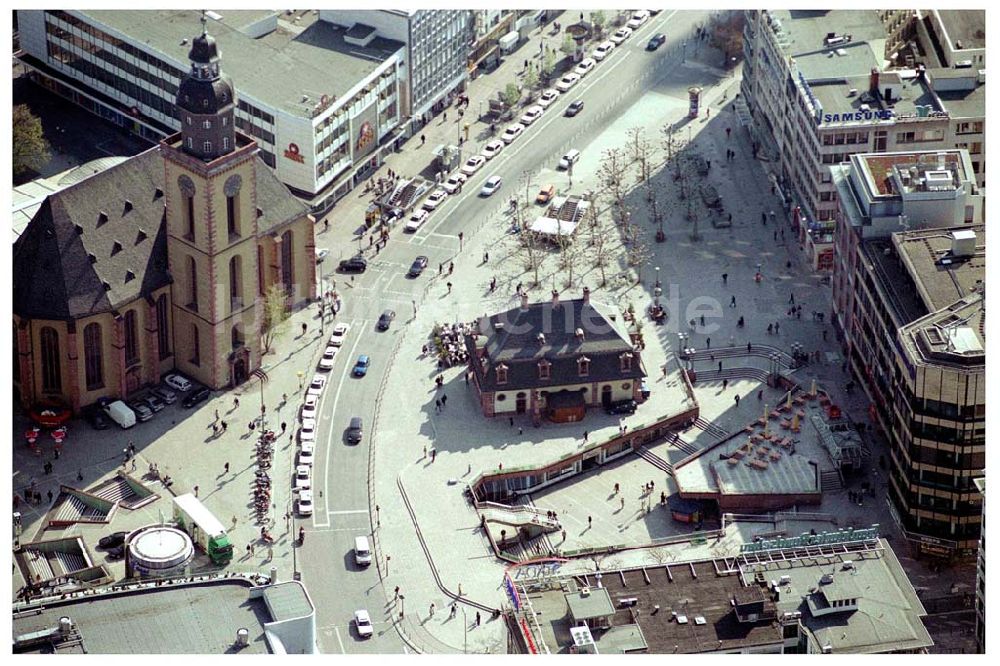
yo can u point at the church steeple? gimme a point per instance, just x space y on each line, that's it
206 101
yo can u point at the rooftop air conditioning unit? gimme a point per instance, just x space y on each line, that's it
585 591
963 64
848 565
852 92
785 580
827 649
826 579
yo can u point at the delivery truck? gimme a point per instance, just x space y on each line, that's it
204 528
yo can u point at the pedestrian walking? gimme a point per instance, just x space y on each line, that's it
511 419
770 327
431 610
590 522
725 278
437 405
425 452
479 617
760 394
196 491
791 298
749 347
224 426
622 502
440 268
776 326
284 426
720 366
585 436
56 453
423 139
728 130
763 218
451 268
225 468
665 369
434 454
775 236
732 301
824 334
617 487
708 343
216 415
449 286
725 384
454 610
737 399
305 327
50 496
702 320
444 400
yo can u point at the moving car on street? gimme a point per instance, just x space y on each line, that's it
620 35
656 41
603 50
512 133
491 185
355 431
567 81
585 66
357 264
418 266
548 97
361 367
493 148
385 320
574 108
473 164
434 199
363 624
416 220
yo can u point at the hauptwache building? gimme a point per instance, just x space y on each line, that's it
160 263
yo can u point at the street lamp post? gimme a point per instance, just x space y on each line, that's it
465 631
684 46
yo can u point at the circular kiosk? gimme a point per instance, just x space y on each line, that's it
159 551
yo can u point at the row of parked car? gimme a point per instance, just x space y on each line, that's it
142 407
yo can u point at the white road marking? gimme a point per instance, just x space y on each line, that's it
339 642
329 439
346 512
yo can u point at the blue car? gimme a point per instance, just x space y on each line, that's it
361 367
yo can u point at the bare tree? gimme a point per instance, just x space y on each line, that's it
634 135
611 175
638 253
529 250
275 314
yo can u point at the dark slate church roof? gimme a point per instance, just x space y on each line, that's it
87 251
73 262
515 343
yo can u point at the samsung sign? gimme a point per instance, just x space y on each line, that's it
858 116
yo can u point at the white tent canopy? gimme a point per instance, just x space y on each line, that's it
550 226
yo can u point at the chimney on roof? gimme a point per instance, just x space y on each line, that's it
873 81
524 300
555 298
580 337
586 295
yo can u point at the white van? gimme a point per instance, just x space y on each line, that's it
572 157
120 413
362 551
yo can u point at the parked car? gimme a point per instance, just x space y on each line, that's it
434 199
620 35
567 81
303 477
572 157
639 18
112 540
307 454
491 185
329 358
304 504
493 148
416 220
548 97
177 382
532 114
96 417
603 50
418 266
165 394
309 407
154 403
307 431
512 133
197 396
545 194
454 183
317 385
356 264
574 108
385 320
321 254
473 164
339 333
585 66
142 412
363 624
361 367
655 42
621 407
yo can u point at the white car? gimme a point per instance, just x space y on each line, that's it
493 148
531 115
317 385
490 186
434 199
307 455
339 333
329 358
603 50
307 433
585 66
177 383
454 183
304 505
567 81
512 133
321 254
303 477
473 164
548 97
620 35
638 19
309 407
363 623
416 220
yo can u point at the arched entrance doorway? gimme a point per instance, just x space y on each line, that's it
239 366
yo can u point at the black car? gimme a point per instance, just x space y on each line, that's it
574 108
356 264
621 407
656 42
112 540
196 396
386 319
153 402
418 266
96 417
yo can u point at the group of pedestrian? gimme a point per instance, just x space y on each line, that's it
794 311
730 155
773 328
440 403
